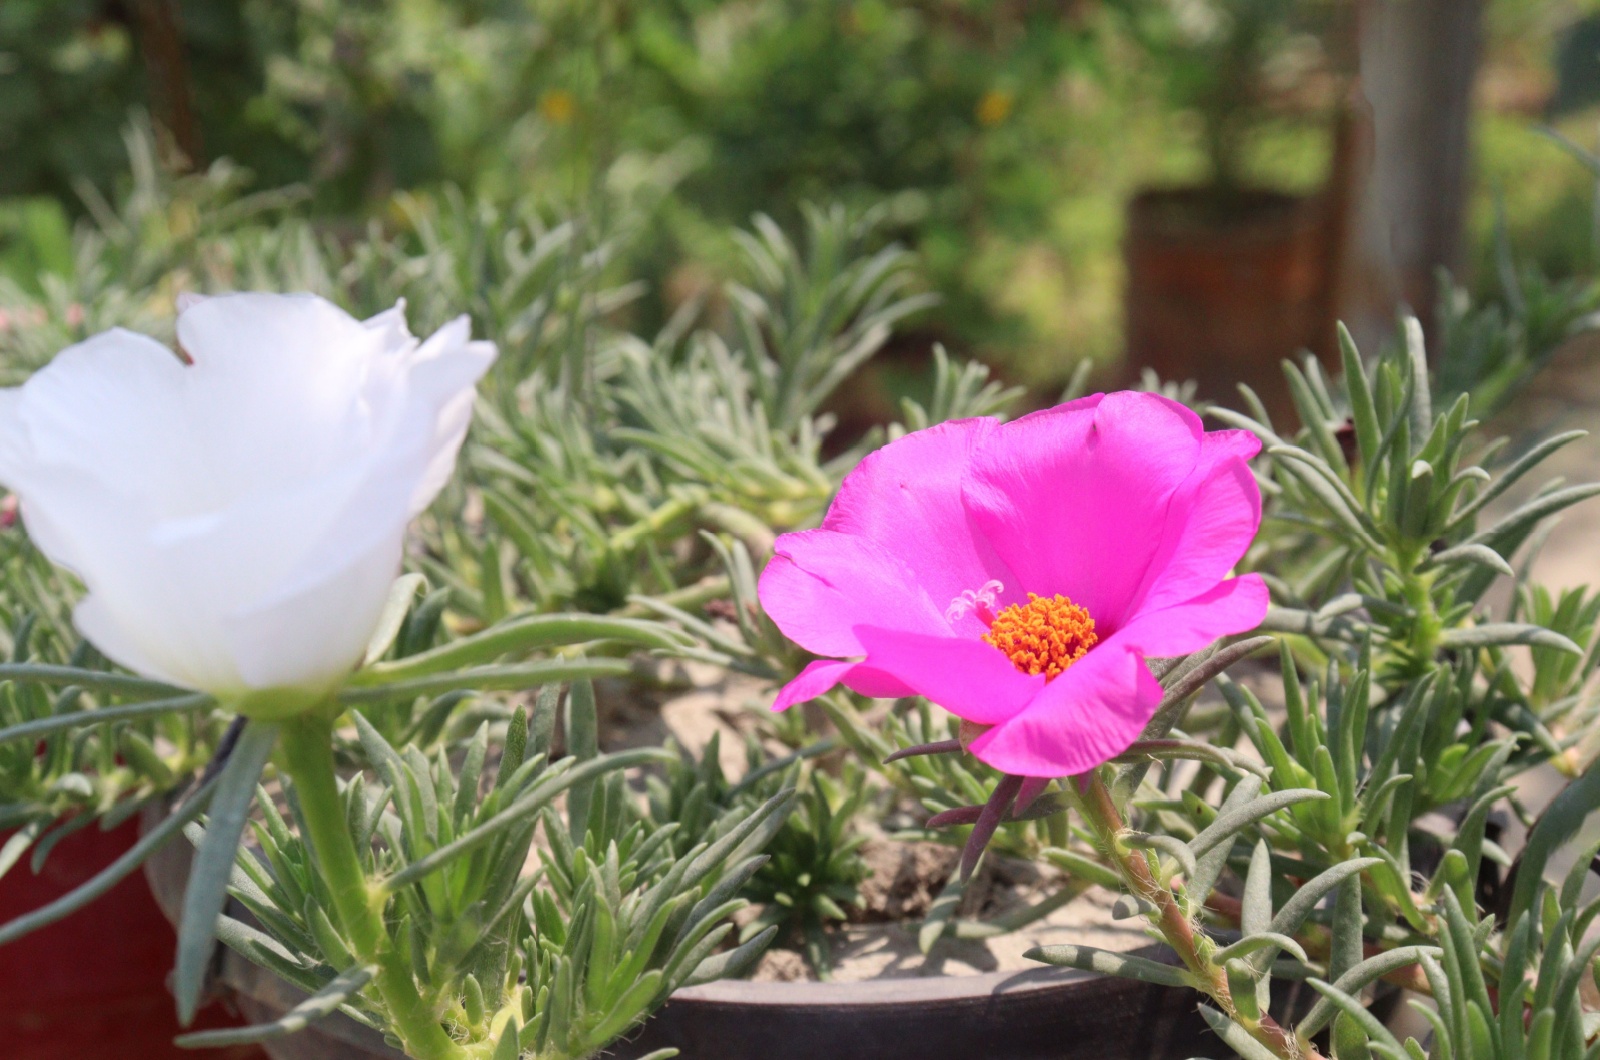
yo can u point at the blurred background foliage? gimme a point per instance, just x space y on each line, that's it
1003 133
1003 136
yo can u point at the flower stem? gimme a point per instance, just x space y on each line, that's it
1099 812
307 742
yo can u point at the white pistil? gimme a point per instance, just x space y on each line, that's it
980 601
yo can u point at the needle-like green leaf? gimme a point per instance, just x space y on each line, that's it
207 890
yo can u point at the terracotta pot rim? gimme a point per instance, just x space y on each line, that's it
1187 216
1250 193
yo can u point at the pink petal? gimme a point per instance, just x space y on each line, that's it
1074 499
818 677
906 497
1210 523
1218 447
1234 606
875 683
822 675
821 584
964 675
1088 715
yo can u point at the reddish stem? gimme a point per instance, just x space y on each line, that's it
1176 926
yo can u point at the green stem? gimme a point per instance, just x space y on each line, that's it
1426 627
1099 812
657 521
307 743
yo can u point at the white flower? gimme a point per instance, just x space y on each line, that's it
238 519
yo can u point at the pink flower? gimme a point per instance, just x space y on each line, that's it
1020 574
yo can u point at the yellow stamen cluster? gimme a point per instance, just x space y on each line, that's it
1043 636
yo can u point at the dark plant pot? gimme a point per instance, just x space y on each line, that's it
1222 288
94 984
1041 1014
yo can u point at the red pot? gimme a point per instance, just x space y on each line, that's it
92 985
1221 291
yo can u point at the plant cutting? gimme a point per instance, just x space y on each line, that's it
1301 854
236 511
1338 820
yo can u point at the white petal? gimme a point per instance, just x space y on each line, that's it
109 407
282 388
331 565
391 325
119 642
314 638
251 330
151 607
454 366
410 467
238 521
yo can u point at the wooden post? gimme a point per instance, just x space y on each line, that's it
1419 60
161 42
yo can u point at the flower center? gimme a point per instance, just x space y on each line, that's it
1043 636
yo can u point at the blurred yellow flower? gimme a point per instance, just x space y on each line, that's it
994 107
557 106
